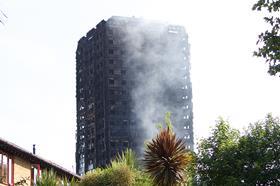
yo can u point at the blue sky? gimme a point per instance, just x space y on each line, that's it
37 65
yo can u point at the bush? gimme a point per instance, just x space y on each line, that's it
128 157
118 174
142 179
48 178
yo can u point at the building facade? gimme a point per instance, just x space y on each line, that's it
129 73
20 167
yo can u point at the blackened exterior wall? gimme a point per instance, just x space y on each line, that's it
109 73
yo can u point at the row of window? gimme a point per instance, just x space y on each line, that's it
113 82
116 72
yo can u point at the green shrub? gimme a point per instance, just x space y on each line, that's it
48 178
142 179
95 177
128 157
118 174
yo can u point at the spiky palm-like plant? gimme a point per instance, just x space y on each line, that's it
128 157
166 158
48 178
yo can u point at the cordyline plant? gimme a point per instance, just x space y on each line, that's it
166 157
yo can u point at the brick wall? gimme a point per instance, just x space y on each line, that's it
22 170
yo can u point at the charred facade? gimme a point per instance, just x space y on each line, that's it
129 72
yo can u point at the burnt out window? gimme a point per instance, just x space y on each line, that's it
113 144
111 82
111 41
111 51
123 72
111 71
125 122
125 144
123 82
110 32
111 61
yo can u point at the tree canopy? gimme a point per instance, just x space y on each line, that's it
227 158
216 154
259 152
269 40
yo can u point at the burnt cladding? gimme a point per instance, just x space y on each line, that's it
129 73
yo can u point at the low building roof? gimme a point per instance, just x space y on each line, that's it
13 149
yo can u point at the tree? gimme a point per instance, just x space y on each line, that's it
260 153
269 40
217 156
166 157
225 158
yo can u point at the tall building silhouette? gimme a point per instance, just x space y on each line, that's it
129 73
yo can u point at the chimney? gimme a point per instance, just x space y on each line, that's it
34 149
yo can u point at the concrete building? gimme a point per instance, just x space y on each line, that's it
20 167
129 73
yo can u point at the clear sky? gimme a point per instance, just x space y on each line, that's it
37 65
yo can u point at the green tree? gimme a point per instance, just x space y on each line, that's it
166 157
216 159
259 151
225 158
269 40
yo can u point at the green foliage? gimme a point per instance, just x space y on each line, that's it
122 172
216 154
260 153
166 157
190 170
270 39
168 122
48 178
95 177
225 158
118 174
127 157
142 179
72 182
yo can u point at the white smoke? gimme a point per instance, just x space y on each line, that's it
158 59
